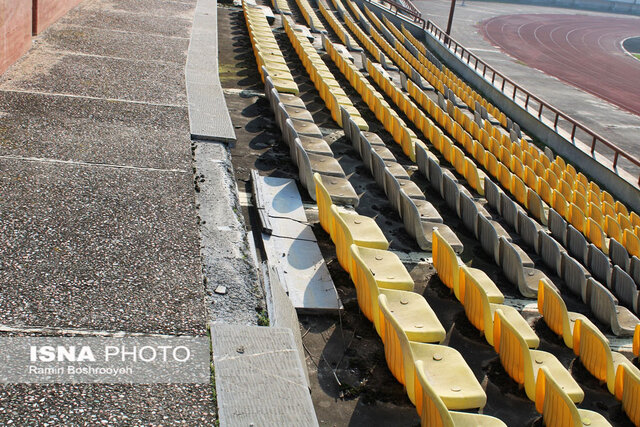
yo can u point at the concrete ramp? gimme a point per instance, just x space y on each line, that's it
259 377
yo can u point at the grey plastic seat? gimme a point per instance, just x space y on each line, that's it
604 307
526 279
575 276
634 269
339 188
313 145
619 255
489 233
557 226
493 194
421 229
536 207
469 213
422 159
528 230
451 192
551 252
599 265
624 288
509 211
576 244
393 186
435 175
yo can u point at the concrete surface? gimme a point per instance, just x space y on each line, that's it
259 377
98 220
618 125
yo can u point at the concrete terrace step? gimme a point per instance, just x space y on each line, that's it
259 377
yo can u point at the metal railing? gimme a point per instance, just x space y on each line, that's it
544 111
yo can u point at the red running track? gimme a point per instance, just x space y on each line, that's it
584 51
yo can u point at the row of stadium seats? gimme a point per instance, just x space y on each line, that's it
588 343
558 183
400 348
527 197
500 248
329 89
436 377
266 50
310 16
508 332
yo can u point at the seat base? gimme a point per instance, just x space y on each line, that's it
450 376
559 373
415 316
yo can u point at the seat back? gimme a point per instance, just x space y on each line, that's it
412 221
366 288
512 349
342 238
627 390
324 205
636 340
476 303
601 301
433 412
396 344
511 264
554 311
592 347
445 262
556 407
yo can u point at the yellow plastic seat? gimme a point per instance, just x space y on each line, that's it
433 411
530 178
480 311
596 236
355 229
625 222
636 340
545 191
554 312
519 190
557 408
580 201
565 189
612 228
323 199
551 178
371 277
517 167
581 188
577 218
523 364
592 347
631 242
608 209
492 165
504 176
448 373
628 392
474 177
560 204
539 168
620 208
635 219
447 266
595 213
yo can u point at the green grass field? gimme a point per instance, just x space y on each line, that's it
637 55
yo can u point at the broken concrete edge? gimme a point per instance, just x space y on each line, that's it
596 166
227 259
209 117
258 377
